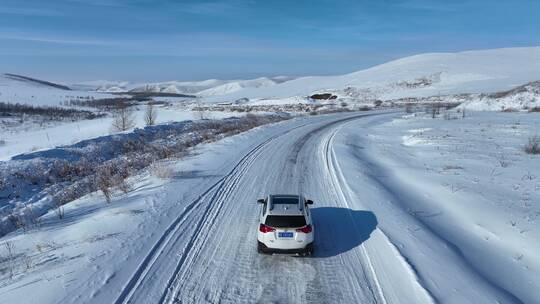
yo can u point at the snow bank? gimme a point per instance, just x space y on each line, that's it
520 98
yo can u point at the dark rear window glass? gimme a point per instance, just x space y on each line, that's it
285 200
284 221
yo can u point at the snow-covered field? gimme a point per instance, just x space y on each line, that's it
409 209
31 137
458 199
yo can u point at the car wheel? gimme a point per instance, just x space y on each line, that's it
309 250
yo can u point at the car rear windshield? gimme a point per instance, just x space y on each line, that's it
288 200
283 221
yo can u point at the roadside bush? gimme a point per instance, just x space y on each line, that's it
160 170
51 113
533 145
104 181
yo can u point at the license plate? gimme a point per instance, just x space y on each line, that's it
286 234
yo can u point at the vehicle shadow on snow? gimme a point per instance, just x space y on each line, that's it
338 230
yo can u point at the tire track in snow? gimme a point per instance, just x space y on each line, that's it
384 292
183 271
328 156
157 249
197 241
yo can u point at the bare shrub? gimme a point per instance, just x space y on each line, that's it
123 119
104 181
503 162
533 145
17 221
160 170
59 209
109 176
200 110
409 109
150 115
34 218
435 110
534 109
28 262
10 255
121 179
253 119
51 113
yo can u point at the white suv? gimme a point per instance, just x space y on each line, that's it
285 225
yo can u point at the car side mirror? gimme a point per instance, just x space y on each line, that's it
309 202
261 201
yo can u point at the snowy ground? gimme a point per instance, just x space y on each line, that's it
409 209
459 200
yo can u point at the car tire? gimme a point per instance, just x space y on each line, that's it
309 250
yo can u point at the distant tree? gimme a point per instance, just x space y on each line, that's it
150 115
123 119
200 110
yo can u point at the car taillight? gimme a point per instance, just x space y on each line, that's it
305 229
264 229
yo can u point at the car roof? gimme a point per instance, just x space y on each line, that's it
285 204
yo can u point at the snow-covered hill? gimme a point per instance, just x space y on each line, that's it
422 75
26 90
235 86
208 87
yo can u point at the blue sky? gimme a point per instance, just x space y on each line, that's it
144 40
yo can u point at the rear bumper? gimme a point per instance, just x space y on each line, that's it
264 249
